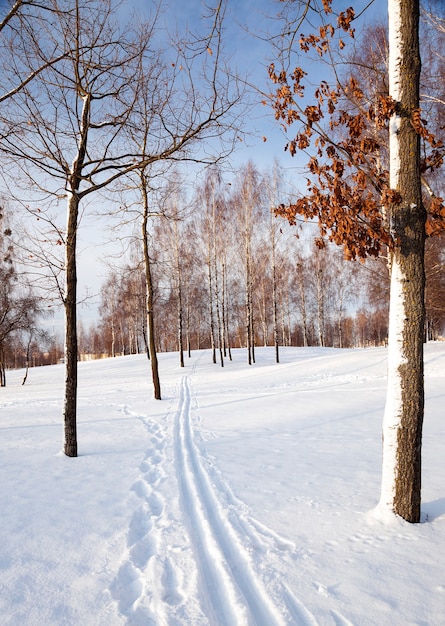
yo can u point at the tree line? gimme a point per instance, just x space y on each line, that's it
227 273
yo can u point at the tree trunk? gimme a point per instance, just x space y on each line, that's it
28 350
301 285
248 299
70 303
2 368
276 334
402 428
212 318
340 314
187 320
180 325
248 327
149 296
215 266
320 307
70 300
225 313
151 328
180 312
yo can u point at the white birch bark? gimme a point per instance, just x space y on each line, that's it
402 424
393 407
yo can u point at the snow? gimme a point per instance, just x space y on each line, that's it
246 496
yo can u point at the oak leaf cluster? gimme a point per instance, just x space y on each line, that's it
347 190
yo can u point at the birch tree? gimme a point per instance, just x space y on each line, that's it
274 189
364 207
402 424
248 201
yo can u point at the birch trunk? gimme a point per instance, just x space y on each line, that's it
217 289
212 317
402 427
276 334
180 311
320 306
302 286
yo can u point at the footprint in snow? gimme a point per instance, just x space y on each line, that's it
141 489
172 594
127 587
156 504
154 456
142 551
157 442
153 476
140 525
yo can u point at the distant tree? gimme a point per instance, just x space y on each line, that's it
435 287
19 307
273 184
319 276
109 310
301 296
248 204
31 338
176 244
347 280
213 216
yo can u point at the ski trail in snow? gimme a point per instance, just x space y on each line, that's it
340 620
233 594
299 613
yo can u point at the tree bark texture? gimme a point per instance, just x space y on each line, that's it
402 433
70 302
180 324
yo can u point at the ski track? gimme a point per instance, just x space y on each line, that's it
233 593
189 562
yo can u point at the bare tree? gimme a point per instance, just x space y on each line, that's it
248 201
273 184
67 134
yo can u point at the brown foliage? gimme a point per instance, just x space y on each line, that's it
348 189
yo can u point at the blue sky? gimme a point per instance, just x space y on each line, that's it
251 56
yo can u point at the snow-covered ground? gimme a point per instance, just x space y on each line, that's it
244 497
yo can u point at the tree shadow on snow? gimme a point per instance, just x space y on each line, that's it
433 510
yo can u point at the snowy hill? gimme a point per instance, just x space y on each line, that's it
244 497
